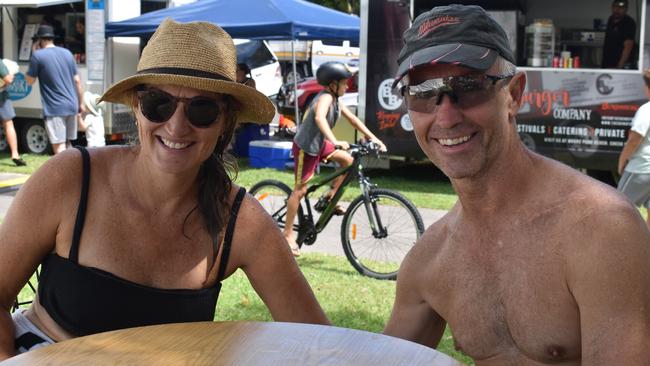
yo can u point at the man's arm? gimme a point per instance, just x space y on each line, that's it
628 45
632 143
412 317
609 277
30 80
80 93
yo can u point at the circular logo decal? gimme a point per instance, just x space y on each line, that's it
386 96
19 89
603 84
405 122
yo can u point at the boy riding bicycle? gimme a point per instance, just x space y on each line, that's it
315 142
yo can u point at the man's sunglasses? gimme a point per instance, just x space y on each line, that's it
158 106
465 91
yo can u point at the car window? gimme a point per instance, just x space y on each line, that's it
330 42
254 54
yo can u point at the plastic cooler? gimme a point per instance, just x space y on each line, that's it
245 134
269 153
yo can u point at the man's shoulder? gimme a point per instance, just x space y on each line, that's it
629 19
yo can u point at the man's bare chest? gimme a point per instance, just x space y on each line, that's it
507 301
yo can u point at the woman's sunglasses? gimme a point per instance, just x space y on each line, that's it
158 106
464 91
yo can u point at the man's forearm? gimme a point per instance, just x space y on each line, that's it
625 55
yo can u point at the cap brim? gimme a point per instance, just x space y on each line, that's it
256 107
462 54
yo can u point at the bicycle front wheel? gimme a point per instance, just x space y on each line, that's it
378 253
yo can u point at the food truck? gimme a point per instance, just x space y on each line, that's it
573 110
100 61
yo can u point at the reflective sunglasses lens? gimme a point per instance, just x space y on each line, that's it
157 106
466 92
202 112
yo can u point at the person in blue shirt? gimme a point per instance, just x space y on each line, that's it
60 85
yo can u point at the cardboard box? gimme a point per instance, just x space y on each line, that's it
269 153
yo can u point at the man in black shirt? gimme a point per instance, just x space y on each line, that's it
619 37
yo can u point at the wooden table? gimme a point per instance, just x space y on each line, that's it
235 343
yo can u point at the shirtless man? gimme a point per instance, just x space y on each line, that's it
536 263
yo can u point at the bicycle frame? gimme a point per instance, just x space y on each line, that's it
356 168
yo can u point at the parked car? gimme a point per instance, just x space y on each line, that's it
307 90
264 65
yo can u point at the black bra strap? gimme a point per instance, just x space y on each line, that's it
227 241
81 210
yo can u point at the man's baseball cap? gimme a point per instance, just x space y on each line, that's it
455 34
621 3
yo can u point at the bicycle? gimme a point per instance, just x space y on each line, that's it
379 227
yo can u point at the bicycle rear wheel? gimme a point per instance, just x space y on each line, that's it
273 195
379 254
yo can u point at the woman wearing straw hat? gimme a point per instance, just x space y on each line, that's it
159 225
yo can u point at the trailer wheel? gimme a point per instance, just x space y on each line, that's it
33 137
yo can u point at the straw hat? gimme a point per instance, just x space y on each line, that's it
199 55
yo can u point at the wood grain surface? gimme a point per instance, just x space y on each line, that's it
235 343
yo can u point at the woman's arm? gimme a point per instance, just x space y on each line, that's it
259 248
29 230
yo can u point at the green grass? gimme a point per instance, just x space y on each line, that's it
34 161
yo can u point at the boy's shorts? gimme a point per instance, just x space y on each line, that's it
305 165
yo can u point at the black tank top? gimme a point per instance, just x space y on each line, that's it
87 300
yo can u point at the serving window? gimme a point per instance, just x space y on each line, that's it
67 20
559 33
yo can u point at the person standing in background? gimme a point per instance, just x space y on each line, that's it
7 115
60 85
634 161
619 38
244 75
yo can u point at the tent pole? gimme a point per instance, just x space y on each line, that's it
295 82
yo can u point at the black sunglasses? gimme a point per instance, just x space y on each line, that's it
158 106
465 91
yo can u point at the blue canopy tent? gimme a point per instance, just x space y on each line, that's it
260 19
253 19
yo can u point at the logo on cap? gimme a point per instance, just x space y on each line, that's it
433 24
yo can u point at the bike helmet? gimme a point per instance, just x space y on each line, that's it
332 71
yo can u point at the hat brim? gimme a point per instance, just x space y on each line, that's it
255 106
89 104
49 36
462 54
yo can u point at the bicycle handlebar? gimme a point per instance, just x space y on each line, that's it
363 148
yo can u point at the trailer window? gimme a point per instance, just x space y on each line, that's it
549 33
